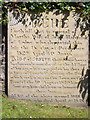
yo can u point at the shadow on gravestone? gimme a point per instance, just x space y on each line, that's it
34 16
37 14
83 85
83 22
65 14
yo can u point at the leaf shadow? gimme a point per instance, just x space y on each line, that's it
83 85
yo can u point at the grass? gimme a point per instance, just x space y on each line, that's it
12 108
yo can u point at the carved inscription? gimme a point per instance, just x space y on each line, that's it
46 57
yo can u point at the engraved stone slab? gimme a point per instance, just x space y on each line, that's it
48 57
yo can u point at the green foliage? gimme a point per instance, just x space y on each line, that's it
32 6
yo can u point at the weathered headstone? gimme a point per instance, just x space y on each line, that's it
48 57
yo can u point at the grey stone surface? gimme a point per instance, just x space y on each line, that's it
48 58
2 58
2 68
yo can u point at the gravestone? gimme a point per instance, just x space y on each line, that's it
48 57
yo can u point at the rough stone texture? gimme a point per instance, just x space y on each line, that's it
2 58
48 58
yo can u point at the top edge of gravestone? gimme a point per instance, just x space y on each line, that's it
12 14
41 10
45 1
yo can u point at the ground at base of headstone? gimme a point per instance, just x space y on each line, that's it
12 108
